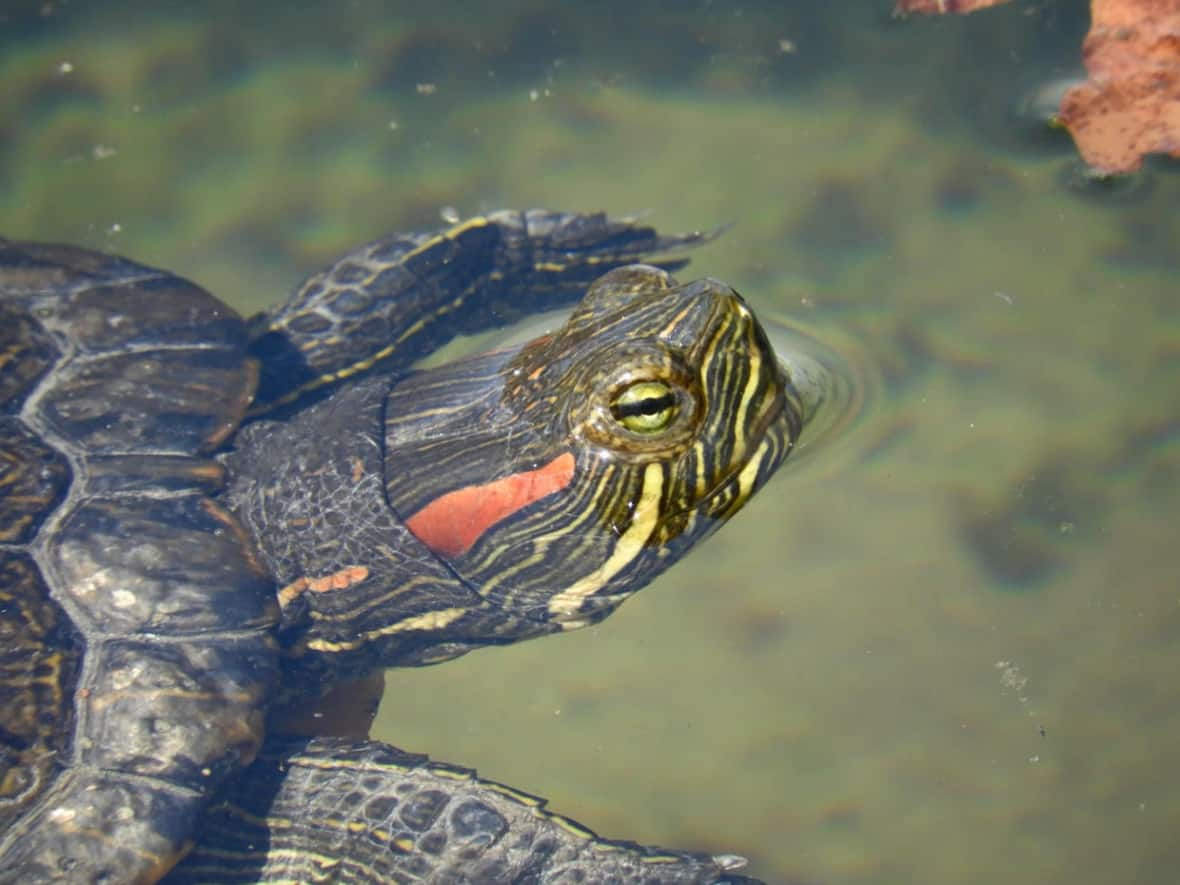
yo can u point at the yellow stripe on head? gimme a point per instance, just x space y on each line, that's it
566 604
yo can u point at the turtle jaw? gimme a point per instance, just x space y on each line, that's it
663 536
777 438
804 383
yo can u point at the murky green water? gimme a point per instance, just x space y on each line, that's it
943 651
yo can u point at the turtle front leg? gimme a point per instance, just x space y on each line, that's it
394 300
335 810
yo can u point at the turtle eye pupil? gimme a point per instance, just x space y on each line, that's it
645 407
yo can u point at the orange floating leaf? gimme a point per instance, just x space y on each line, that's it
1130 106
942 7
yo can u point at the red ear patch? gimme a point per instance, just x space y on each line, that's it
451 523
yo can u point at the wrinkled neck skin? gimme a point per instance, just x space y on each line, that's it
357 588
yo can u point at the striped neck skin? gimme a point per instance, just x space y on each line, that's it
558 479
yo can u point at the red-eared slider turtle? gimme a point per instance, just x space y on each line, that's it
202 519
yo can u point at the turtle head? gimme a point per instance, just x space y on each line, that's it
558 479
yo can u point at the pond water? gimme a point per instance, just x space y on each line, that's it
940 647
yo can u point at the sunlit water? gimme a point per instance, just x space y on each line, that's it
942 647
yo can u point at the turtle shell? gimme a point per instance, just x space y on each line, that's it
136 624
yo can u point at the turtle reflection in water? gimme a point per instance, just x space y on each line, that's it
204 519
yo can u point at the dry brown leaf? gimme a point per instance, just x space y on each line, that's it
942 7
1130 106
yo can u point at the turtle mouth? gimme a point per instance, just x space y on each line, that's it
742 480
773 435
678 531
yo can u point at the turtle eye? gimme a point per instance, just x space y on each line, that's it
645 407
